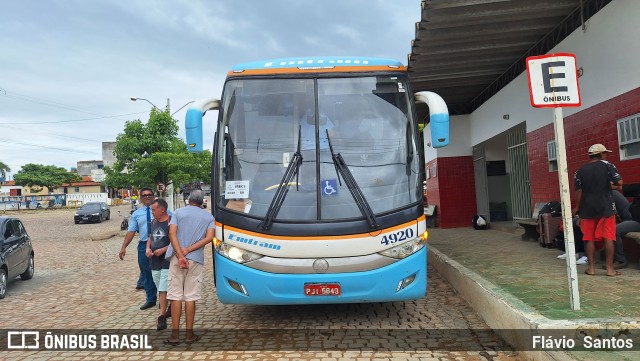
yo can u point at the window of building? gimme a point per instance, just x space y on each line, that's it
552 156
629 137
76 189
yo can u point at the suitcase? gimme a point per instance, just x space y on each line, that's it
548 227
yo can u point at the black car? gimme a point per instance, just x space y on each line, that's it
92 212
16 253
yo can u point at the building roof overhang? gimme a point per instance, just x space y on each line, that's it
467 50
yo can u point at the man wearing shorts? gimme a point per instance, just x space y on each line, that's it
190 229
594 183
157 246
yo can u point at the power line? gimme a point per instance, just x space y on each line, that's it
74 120
51 104
28 98
31 131
43 101
41 146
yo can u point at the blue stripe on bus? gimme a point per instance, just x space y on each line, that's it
377 285
315 62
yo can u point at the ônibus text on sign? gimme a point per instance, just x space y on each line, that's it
553 81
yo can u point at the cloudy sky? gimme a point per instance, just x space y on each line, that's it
68 68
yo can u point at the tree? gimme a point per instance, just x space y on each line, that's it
38 176
150 153
4 169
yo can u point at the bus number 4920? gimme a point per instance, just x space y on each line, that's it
398 236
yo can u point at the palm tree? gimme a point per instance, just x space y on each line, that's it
3 170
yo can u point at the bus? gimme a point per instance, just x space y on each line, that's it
316 181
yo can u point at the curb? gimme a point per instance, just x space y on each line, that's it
503 312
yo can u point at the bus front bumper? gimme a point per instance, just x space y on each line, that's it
403 280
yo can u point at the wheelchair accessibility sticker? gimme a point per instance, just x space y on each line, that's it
329 187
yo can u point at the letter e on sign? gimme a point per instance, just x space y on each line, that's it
553 81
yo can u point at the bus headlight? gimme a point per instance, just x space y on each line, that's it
404 250
236 254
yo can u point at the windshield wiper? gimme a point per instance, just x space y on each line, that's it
278 198
229 150
356 192
409 146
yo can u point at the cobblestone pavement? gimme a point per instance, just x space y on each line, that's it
81 284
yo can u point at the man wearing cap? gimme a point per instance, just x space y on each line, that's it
595 205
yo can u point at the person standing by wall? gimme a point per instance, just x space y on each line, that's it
630 221
140 222
595 205
191 228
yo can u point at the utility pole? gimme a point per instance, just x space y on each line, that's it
168 107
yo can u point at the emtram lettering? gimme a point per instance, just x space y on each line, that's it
253 242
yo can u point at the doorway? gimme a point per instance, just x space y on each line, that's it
501 170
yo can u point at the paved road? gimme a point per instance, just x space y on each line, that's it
81 284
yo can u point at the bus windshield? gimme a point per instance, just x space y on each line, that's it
367 120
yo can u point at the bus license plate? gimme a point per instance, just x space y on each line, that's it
322 289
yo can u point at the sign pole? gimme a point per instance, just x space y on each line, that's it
553 83
565 197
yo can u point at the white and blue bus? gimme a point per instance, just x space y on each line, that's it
316 181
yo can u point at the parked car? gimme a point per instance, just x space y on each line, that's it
16 253
92 212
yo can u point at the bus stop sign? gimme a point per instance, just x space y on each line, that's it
161 187
553 81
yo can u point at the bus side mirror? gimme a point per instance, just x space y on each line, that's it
439 117
193 122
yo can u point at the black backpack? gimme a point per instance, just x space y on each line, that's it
577 238
553 207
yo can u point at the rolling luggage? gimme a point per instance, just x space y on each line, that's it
548 227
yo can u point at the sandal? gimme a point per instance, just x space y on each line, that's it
195 338
171 342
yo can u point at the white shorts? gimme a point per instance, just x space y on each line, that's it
184 284
160 279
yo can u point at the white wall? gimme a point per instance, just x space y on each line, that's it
6 190
81 198
459 135
608 52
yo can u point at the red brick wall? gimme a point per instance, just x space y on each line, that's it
433 188
452 190
596 124
544 184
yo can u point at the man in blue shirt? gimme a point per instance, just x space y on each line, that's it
140 221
